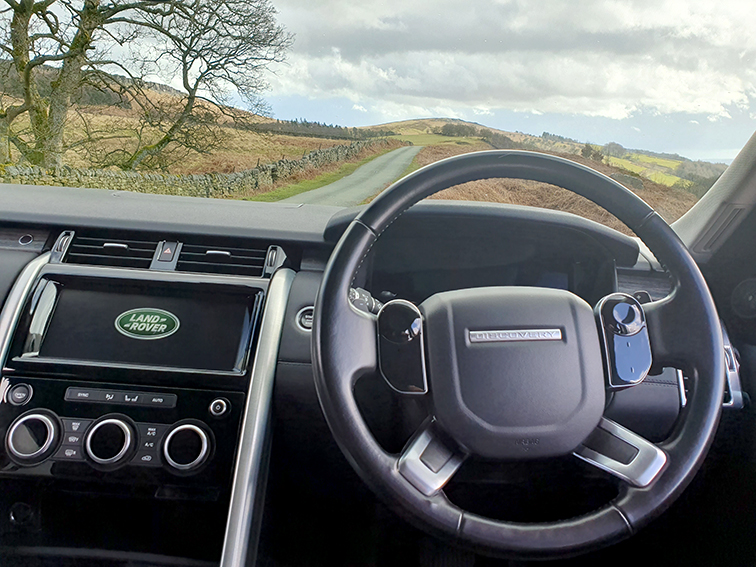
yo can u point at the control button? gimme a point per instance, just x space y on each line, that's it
20 394
121 398
109 441
84 395
628 318
186 447
168 252
75 425
219 407
69 453
72 438
111 397
150 431
146 459
160 400
32 437
304 318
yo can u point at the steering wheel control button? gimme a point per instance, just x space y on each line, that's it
186 447
20 394
363 301
628 346
109 441
32 438
220 407
304 318
401 352
627 318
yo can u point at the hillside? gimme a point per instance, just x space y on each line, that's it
670 170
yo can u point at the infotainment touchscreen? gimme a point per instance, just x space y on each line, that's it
149 325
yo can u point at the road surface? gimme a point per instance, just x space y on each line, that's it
365 182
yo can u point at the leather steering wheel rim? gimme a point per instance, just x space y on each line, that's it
684 329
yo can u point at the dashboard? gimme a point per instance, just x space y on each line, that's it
151 345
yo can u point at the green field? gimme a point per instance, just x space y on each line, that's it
665 178
435 139
669 163
626 164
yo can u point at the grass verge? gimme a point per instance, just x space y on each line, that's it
316 182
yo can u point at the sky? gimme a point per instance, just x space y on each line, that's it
674 76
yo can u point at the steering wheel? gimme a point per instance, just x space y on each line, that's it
515 373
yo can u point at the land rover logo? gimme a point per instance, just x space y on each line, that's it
147 323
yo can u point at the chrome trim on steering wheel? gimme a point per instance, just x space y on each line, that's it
411 464
641 471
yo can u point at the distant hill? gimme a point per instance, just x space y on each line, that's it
85 96
671 170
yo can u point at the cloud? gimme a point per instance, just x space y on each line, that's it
590 58
359 108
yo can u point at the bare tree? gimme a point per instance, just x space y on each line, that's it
213 46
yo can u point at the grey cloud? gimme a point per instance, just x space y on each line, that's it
586 57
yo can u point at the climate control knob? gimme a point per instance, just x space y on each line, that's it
32 438
109 441
186 447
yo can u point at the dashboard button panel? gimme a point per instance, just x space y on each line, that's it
117 397
100 442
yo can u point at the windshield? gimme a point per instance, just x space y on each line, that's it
329 102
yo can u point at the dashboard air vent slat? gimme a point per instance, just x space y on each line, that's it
222 260
106 251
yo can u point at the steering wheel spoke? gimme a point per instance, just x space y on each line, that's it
401 348
622 453
676 340
428 462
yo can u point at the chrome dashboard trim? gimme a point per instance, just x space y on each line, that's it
16 299
49 426
247 473
204 450
124 448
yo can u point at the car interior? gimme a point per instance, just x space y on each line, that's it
197 382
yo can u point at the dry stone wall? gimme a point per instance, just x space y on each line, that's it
204 185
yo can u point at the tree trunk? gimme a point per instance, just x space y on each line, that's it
5 156
68 80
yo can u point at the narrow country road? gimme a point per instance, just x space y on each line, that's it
365 182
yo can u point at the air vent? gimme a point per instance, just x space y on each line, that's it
222 260
105 251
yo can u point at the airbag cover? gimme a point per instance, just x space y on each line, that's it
514 395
